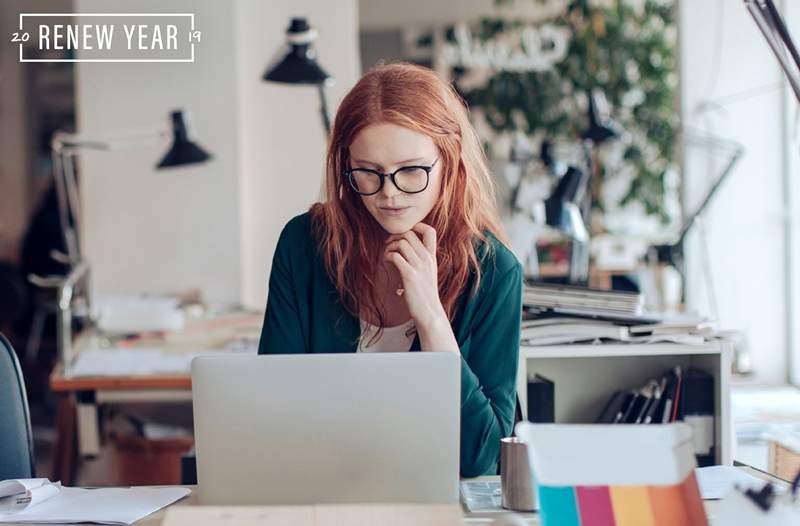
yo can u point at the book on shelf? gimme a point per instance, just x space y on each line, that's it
685 395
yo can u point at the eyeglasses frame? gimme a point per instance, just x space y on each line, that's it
349 173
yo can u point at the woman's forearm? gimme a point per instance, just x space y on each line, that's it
436 334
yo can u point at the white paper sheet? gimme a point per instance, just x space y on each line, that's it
716 481
117 506
134 314
17 486
18 494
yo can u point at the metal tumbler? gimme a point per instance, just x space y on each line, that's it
516 480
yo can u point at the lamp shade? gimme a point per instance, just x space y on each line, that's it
299 65
183 150
598 132
561 208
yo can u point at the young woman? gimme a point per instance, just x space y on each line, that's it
406 251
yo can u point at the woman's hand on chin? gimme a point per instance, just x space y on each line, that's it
415 259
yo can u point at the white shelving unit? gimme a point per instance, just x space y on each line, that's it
585 376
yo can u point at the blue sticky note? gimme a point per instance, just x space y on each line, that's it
558 506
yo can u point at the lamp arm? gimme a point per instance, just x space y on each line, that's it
70 142
64 146
65 211
323 109
737 154
777 36
65 287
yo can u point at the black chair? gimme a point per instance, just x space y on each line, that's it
16 440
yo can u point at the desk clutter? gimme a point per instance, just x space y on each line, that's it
767 506
562 314
151 344
43 502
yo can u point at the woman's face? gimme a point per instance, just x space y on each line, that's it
386 147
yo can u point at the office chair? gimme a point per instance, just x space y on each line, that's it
16 440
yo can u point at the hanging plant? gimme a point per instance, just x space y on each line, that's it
623 48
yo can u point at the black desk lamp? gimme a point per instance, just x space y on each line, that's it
183 150
64 148
769 21
673 253
598 132
562 212
299 65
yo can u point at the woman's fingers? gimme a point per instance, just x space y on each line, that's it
428 236
416 243
404 247
402 265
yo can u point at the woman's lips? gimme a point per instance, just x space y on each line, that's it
393 211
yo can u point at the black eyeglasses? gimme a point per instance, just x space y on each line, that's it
407 179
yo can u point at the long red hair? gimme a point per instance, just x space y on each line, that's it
351 240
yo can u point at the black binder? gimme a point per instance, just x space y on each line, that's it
615 409
541 400
696 408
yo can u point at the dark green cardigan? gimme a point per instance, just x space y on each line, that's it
303 307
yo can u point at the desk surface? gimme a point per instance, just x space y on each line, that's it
157 518
201 334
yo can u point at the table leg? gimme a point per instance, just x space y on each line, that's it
65 450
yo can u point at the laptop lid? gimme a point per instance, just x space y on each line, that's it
327 428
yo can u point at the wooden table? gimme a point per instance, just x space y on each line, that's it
198 335
156 519
65 450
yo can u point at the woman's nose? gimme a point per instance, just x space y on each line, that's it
389 189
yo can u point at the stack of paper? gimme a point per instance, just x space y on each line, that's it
137 314
556 330
138 361
582 300
41 501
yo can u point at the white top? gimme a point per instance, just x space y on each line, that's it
393 339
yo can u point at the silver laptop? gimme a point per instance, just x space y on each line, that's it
327 428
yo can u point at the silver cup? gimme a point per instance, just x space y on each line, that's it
516 480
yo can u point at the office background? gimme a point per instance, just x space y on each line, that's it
214 227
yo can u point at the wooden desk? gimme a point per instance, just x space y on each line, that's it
711 506
211 333
65 450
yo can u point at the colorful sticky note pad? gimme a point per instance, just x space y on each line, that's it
594 505
558 506
632 506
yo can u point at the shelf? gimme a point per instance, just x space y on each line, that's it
617 349
585 376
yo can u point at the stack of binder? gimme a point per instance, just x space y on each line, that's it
679 395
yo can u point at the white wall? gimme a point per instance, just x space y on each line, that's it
159 231
791 12
390 14
283 142
722 53
211 226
